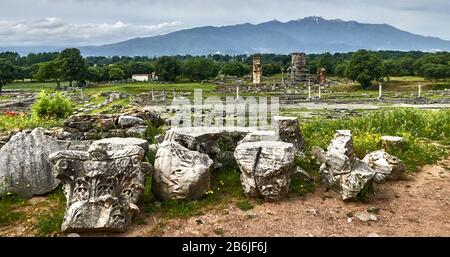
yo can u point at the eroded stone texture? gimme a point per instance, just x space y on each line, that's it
391 142
24 165
261 135
127 121
180 173
103 186
360 177
117 143
289 131
208 140
130 123
342 170
266 168
386 166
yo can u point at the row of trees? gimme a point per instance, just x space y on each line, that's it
362 66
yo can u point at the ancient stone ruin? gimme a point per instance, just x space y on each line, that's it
266 168
257 69
180 173
103 186
299 69
132 123
343 171
386 166
187 156
24 165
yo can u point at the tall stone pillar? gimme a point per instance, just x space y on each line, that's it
257 69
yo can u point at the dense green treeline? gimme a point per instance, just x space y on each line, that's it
362 66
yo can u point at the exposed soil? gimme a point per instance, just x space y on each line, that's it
419 205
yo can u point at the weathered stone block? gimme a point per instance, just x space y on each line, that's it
180 173
266 168
103 186
24 165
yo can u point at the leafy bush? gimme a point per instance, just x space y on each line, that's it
52 105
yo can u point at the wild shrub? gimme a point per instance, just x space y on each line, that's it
51 105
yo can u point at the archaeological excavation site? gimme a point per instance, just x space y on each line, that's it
238 139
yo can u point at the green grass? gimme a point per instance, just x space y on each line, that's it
33 86
107 108
225 187
49 223
245 205
136 88
27 122
418 127
5 97
407 79
9 205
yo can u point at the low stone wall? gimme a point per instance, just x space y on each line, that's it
131 123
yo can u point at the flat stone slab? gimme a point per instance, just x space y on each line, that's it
114 143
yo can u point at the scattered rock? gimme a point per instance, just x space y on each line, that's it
260 135
289 131
366 217
373 210
386 166
266 168
390 142
129 121
180 173
137 131
312 211
319 154
373 235
117 143
342 170
24 165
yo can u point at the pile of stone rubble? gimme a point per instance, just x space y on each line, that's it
342 170
104 180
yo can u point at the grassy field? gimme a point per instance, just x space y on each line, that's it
33 86
136 88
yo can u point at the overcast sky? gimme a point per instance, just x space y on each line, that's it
84 22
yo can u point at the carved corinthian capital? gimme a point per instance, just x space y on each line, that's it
103 186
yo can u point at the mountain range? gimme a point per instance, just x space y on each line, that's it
310 35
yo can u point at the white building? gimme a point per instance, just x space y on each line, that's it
142 77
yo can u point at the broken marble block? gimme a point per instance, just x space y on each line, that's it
386 166
180 173
266 168
289 131
391 142
352 183
25 168
103 186
259 135
342 170
127 121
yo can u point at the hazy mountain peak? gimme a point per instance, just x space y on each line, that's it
312 34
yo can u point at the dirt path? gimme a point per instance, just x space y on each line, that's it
417 206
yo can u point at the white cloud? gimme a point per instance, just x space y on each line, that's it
56 31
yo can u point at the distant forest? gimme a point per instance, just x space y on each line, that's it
361 66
